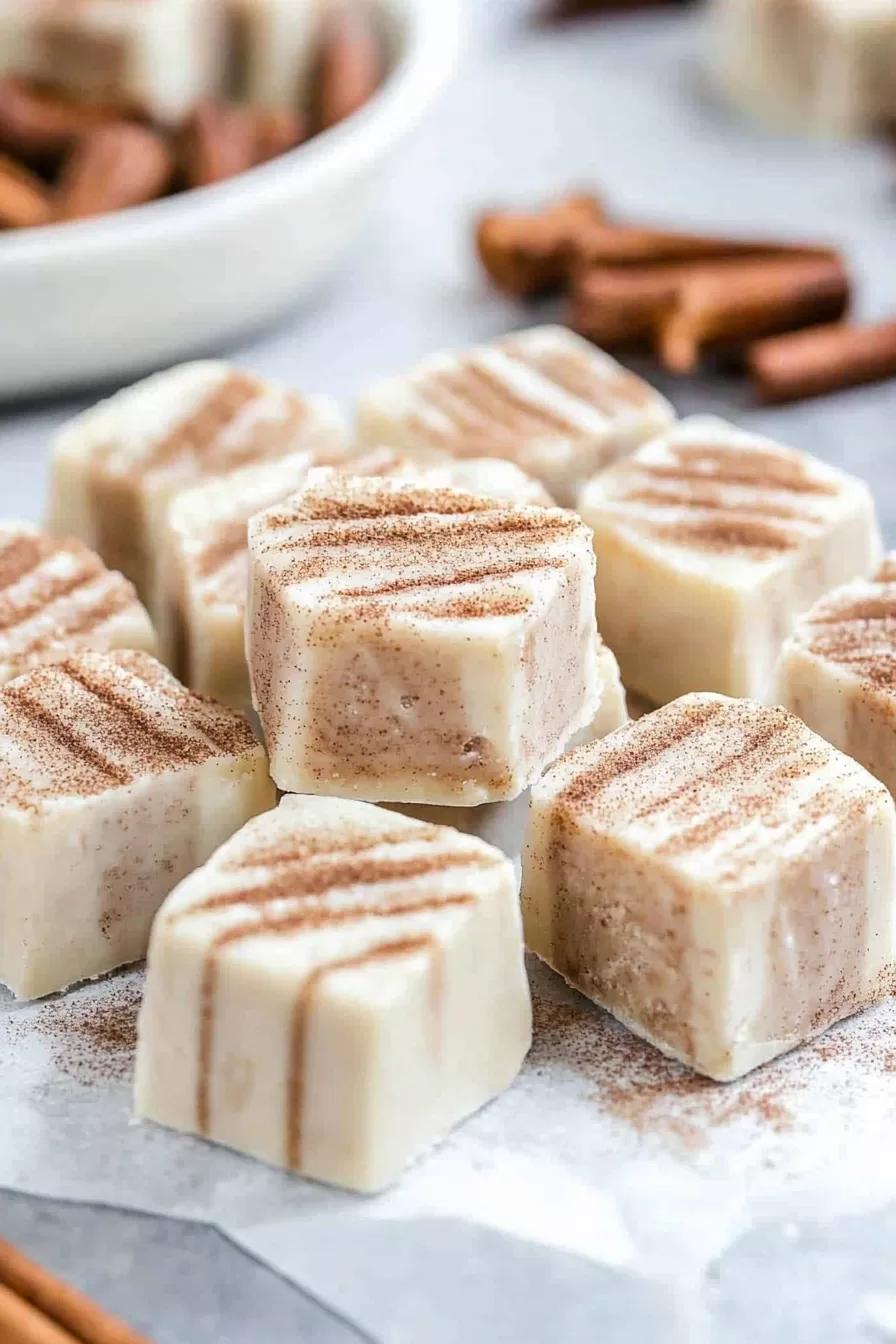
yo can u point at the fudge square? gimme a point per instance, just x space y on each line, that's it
58 598
158 57
335 990
117 466
204 556
273 45
419 645
115 782
710 541
718 877
547 400
838 671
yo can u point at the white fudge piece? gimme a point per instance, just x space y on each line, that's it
115 782
824 66
335 990
494 477
613 711
544 399
410 644
155 56
204 559
710 542
838 671
57 598
273 45
117 466
716 876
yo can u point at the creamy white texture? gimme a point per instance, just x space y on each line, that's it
334 990
544 399
718 877
411 644
715 530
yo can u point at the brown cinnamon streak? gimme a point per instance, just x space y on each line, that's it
826 359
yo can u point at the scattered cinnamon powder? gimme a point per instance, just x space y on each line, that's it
92 1040
655 1096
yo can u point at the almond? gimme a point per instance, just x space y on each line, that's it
113 167
24 200
41 126
350 65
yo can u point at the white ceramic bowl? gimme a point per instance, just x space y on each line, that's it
106 298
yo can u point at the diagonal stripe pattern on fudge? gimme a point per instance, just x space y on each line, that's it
57 598
117 467
545 399
717 876
203 559
710 541
410 644
115 782
837 672
334 990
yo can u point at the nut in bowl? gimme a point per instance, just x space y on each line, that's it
263 224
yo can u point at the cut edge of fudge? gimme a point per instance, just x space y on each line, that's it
702 820
432 911
418 572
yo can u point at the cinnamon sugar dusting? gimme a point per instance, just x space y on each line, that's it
710 775
855 628
94 721
92 1033
663 1101
409 543
327 866
54 593
742 496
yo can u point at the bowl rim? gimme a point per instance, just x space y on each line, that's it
433 34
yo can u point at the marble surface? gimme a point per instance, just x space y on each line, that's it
616 102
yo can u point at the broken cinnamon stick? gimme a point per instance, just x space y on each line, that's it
622 306
825 359
526 254
24 200
350 68
733 304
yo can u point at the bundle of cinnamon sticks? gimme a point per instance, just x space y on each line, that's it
36 1308
687 295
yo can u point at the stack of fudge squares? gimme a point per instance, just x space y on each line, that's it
407 620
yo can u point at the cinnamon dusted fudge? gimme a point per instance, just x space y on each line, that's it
544 399
335 990
152 56
838 670
204 559
272 46
115 782
613 710
718 877
710 541
116 467
411 644
57 598
817 65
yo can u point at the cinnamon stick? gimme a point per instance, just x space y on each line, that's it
605 244
625 305
526 254
733 304
21 1323
824 359
67 1315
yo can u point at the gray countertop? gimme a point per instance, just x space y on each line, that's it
616 102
